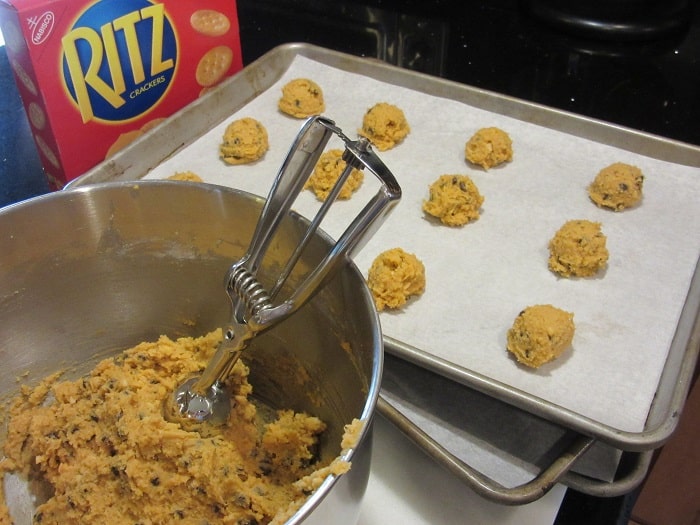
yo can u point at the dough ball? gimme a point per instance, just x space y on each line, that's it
617 187
329 167
489 147
540 334
384 125
578 249
454 199
301 98
394 276
188 176
245 141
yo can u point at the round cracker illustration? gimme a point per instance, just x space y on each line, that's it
36 115
209 22
213 66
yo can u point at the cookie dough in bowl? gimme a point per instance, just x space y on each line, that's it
102 443
146 259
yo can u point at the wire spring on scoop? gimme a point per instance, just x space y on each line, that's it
250 291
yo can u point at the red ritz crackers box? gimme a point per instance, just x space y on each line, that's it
95 75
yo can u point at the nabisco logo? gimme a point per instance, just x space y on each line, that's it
41 27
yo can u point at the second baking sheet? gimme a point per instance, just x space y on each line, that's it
481 275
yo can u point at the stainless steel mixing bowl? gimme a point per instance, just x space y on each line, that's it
89 272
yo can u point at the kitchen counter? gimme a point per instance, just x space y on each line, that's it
645 80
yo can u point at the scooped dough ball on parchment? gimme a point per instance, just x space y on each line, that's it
454 199
328 169
617 187
301 98
245 141
385 125
489 147
394 277
540 334
578 249
186 176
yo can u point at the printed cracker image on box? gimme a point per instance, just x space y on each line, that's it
96 75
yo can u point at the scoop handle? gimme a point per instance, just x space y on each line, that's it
303 155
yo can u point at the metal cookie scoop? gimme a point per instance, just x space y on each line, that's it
254 308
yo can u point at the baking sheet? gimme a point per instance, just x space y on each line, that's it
480 276
397 493
472 428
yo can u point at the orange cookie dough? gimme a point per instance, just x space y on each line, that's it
245 141
454 199
328 168
110 457
489 147
188 176
578 249
394 277
302 98
540 334
619 186
385 126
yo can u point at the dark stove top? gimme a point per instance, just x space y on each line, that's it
647 84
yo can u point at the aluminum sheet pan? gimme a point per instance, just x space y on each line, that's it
463 430
135 161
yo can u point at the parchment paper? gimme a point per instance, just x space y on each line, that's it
480 276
